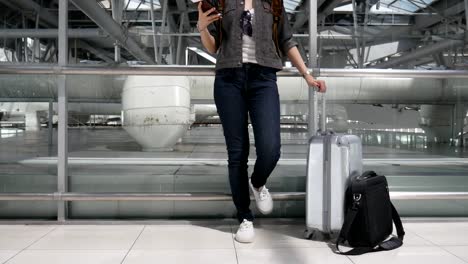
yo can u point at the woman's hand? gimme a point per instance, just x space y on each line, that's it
320 84
204 18
296 59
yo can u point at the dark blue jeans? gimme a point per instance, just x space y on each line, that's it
238 93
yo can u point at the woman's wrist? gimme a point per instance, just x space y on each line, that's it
200 30
305 74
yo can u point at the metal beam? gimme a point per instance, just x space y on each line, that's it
203 54
164 7
100 53
302 16
182 8
29 5
47 18
355 35
179 41
102 19
421 52
153 27
328 8
422 22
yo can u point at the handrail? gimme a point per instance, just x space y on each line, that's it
279 196
223 162
178 70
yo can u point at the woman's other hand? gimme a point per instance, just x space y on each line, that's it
204 18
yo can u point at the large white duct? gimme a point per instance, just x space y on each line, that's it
19 109
156 110
357 90
85 88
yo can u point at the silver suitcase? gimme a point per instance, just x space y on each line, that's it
332 161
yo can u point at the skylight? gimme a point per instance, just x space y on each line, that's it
134 4
406 5
291 5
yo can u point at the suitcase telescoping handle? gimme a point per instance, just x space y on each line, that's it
314 123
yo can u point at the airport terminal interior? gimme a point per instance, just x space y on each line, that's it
112 149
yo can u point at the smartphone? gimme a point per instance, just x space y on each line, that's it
206 5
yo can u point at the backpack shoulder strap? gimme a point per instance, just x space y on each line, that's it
277 10
348 222
218 24
392 243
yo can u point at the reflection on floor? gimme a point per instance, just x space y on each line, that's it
206 143
277 241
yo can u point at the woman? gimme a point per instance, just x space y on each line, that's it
245 83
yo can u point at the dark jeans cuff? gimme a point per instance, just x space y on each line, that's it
257 184
247 215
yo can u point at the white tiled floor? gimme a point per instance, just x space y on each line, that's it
277 241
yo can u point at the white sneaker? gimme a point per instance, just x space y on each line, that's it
245 233
263 199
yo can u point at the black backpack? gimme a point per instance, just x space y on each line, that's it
369 217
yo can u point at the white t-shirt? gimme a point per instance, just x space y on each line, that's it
248 44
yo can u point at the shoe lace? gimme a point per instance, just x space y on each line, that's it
264 194
245 225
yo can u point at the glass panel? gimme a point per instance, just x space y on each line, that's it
24 136
111 154
142 134
121 142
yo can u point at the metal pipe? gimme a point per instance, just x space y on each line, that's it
28 197
50 128
62 153
460 115
25 42
102 19
403 196
178 70
321 36
466 20
117 6
323 120
312 118
52 33
281 196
